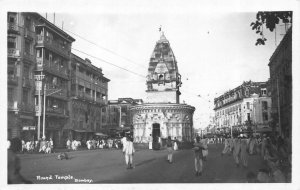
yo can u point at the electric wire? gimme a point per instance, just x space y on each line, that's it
108 50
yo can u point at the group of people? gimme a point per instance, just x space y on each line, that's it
42 146
276 153
94 144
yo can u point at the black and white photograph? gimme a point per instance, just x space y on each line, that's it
150 94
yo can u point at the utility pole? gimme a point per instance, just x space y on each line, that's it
44 111
38 79
278 106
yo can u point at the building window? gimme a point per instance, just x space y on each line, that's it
11 42
25 96
263 91
265 116
248 116
264 105
248 105
11 19
103 119
10 94
247 92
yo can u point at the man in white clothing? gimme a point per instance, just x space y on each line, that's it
128 151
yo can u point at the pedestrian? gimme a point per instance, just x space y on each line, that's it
263 146
150 142
175 144
68 144
51 144
128 151
14 164
198 147
170 150
244 154
236 150
252 144
226 147
205 148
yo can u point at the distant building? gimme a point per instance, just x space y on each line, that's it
281 86
118 115
162 115
247 108
88 94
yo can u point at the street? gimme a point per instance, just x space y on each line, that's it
108 166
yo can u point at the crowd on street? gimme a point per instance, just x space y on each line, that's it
275 153
100 143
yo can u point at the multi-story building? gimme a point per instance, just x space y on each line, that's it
20 81
119 117
89 91
281 86
53 50
245 108
37 49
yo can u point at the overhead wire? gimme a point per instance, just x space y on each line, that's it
102 60
106 49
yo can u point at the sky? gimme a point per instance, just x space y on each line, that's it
212 41
215 52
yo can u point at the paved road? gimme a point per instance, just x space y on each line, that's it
107 166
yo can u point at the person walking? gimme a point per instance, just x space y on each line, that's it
170 147
226 147
198 148
51 144
236 150
205 148
175 144
128 151
150 142
244 154
252 145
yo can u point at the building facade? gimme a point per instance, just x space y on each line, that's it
162 115
88 95
118 115
247 108
280 66
21 62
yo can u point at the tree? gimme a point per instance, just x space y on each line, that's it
269 19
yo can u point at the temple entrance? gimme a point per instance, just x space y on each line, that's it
155 132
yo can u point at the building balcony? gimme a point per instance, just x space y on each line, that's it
27 83
29 34
13 52
26 107
55 92
16 106
45 41
57 112
43 64
29 57
12 79
12 106
13 28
